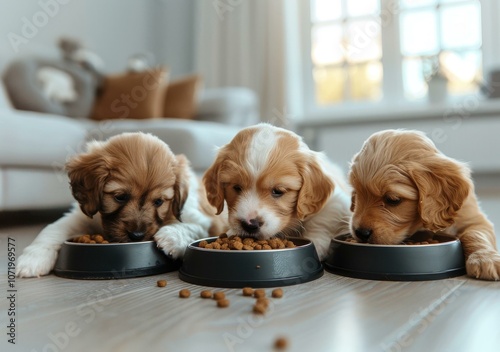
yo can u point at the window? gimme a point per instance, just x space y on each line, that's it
374 50
448 44
346 50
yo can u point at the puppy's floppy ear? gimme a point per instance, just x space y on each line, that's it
87 174
315 191
443 185
181 186
353 201
213 185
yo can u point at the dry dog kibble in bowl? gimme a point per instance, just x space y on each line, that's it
410 241
90 239
223 242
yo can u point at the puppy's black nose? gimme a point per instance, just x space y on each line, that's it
136 236
251 226
363 233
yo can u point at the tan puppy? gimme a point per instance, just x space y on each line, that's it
274 185
403 184
129 188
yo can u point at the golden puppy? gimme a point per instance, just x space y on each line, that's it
403 184
129 188
273 184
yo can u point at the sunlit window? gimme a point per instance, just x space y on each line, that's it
346 50
438 39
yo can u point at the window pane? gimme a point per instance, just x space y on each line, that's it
413 79
463 70
461 26
366 81
329 84
363 41
362 7
417 3
326 10
419 33
327 45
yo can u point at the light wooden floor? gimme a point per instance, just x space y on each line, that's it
333 313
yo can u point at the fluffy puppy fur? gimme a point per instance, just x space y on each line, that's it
129 188
403 184
274 185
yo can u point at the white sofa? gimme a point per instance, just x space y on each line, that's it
35 146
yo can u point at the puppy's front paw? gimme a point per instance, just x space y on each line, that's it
172 242
36 261
484 265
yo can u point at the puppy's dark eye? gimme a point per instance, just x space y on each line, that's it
122 198
237 188
392 200
276 192
158 202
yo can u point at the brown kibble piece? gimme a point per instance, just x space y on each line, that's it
237 245
202 244
184 293
247 291
263 301
281 343
161 283
259 308
247 248
259 293
206 294
98 238
277 293
222 303
219 295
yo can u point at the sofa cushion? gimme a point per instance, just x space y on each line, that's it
135 95
181 97
195 139
31 139
22 83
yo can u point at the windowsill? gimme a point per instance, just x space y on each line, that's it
461 108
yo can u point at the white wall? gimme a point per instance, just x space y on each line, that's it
114 29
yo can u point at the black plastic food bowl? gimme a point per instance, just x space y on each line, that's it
397 262
112 261
258 268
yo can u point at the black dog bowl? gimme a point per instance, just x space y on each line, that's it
258 268
397 262
112 261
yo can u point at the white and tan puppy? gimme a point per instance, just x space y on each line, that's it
129 188
274 185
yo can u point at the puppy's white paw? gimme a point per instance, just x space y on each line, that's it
36 261
172 241
484 265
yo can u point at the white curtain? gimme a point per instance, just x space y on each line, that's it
252 43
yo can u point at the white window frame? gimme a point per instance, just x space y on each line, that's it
393 98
